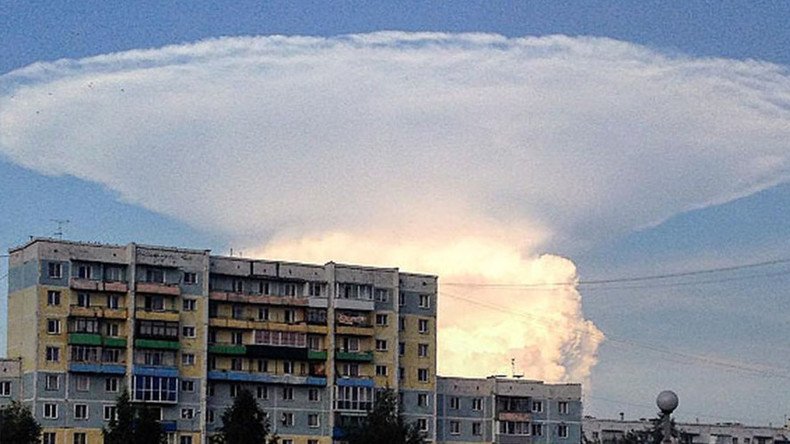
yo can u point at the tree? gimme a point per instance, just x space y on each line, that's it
384 424
17 425
133 425
244 422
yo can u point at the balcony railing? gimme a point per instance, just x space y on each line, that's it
153 314
157 344
158 288
98 285
358 356
227 349
97 312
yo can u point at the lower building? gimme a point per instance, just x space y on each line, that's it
612 431
507 411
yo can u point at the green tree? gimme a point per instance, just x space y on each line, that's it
244 422
148 430
17 425
121 427
384 424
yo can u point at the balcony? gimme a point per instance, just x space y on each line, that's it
514 416
253 324
158 288
216 295
316 355
97 312
358 381
85 339
155 370
109 369
157 344
97 285
277 352
354 330
230 375
157 315
114 342
227 349
358 356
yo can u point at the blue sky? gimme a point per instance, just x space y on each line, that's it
740 321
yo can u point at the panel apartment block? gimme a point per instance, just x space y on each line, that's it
186 331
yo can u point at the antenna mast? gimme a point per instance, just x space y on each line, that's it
61 223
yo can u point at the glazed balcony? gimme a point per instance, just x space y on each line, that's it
98 285
158 288
97 312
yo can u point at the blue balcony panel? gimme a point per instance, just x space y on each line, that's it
97 368
147 370
169 426
315 380
338 432
355 382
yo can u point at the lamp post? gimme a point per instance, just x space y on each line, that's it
667 401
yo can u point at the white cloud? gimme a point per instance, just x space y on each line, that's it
400 141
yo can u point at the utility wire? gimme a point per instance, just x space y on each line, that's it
777 373
625 279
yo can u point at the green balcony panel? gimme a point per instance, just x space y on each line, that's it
115 342
315 355
153 343
84 339
227 349
354 356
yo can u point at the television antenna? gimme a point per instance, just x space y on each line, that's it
61 223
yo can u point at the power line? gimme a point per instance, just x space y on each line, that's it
654 348
624 279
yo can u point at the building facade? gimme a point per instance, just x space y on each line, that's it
185 331
507 411
612 431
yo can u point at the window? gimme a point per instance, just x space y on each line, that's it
113 329
455 428
86 325
263 365
381 345
84 272
562 431
185 439
401 299
50 411
51 382
53 354
314 342
312 420
189 305
53 298
155 275
422 374
263 314
5 388
537 429
80 411
113 274
237 337
188 359
401 373
401 348
290 316
83 300
401 324
288 393
154 388
381 370
110 412
238 286
514 428
80 438
288 367
154 303
562 407
312 441
288 419
188 331
315 289
187 413
237 311
113 301
454 403
53 326
190 278
288 441
381 319
263 392
353 398
477 404
234 390
351 370
423 326
55 270
289 290
425 301
210 389
477 428
235 364
381 295
537 406
422 424
313 395
350 344
422 350
48 438
422 400
82 383
187 386
111 355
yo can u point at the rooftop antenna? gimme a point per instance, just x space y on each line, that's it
513 367
59 232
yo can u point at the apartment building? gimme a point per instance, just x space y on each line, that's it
507 411
185 331
612 431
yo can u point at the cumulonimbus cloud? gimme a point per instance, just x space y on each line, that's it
447 150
